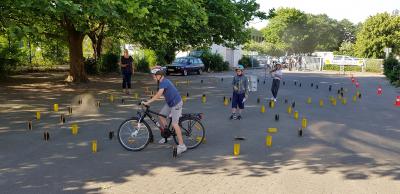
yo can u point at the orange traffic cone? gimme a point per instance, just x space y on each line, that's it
379 91
397 103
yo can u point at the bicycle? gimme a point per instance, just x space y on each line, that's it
135 134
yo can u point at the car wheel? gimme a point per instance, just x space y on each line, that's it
185 72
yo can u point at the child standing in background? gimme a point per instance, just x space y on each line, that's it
240 85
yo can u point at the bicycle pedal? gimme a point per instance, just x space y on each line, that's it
174 152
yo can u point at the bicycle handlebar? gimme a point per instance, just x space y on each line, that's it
142 104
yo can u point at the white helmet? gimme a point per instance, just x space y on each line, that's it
157 70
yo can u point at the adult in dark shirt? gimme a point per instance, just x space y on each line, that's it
127 70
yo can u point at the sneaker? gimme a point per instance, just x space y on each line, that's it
163 141
180 149
233 116
239 117
274 99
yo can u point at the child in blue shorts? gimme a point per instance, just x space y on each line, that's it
240 85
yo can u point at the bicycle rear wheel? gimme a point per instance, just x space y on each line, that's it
134 136
193 132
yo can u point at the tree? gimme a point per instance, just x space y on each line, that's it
297 32
185 24
289 29
264 48
377 32
326 33
346 48
71 21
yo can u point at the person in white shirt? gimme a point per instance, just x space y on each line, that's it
277 77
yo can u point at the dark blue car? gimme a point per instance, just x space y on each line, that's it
185 66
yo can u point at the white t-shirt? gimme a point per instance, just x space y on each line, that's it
277 74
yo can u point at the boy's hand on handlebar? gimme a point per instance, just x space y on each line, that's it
145 103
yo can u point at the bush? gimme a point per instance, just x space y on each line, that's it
391 69
373 65
143 66
389 66
247 62
145 61
214 62
109 63
90 65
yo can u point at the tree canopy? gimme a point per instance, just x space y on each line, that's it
377 32
161 25
297 32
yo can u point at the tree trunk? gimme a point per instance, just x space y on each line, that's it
77 69
97 46
97 36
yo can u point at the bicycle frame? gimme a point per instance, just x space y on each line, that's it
149 114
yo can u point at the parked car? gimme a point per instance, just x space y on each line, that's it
185 65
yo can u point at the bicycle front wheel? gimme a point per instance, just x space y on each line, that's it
134 136
193 132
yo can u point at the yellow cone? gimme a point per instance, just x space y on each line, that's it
226 102
74 129
309 100
111 98
94 146
55 107
236 149
136 96
198 139
296 115
203 99
272 130
268 141
334 102
354 98
289 110
304 123
38 115
321 103
262 109
344 101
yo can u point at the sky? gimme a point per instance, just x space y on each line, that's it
354 10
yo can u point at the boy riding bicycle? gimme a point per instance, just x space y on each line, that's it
173 106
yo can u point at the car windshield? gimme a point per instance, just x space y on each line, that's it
181 61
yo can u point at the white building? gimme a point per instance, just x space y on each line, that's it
231 55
